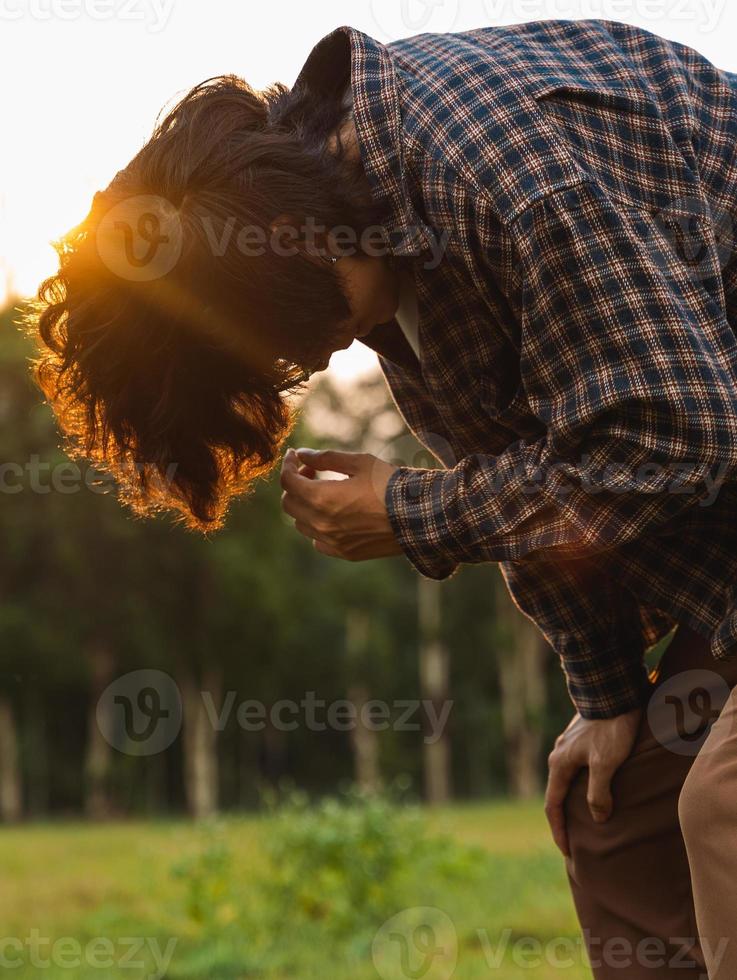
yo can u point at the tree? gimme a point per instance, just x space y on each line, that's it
10 784
254 613
434 683
522 657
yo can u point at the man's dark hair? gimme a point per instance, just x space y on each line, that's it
178 383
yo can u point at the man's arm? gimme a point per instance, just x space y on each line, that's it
625 356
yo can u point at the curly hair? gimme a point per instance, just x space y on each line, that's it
173 371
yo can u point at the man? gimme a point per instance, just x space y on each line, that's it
533 227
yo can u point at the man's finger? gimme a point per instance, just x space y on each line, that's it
325 548
331 459
297 509
291 479
306 529
559 784
289 465
599 796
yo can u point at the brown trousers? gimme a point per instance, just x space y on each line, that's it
656 886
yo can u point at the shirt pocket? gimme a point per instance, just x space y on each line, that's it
622 142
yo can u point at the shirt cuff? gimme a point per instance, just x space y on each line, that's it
627 691
414 505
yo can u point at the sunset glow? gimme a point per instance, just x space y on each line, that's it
82 90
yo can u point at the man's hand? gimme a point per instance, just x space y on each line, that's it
602 746
344 518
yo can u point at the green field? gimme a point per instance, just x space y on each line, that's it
107 895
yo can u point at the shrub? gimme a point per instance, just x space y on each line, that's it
335 869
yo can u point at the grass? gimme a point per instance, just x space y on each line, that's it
92 889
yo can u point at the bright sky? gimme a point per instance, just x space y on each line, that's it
83 80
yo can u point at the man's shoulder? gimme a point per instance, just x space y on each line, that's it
551 51
529 110
469 107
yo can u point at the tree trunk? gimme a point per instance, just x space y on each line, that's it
11 805
434 674
273 752
365 743
155 783
522 681
200 742
98 762
364 740
249 773
36 760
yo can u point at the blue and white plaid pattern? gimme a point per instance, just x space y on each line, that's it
578 370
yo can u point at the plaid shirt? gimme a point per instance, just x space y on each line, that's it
578 369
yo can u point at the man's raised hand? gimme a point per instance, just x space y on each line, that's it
345 518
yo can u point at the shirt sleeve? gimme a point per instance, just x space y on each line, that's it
624 361
627 358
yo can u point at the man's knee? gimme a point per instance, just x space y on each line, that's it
609 856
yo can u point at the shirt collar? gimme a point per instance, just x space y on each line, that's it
349 55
